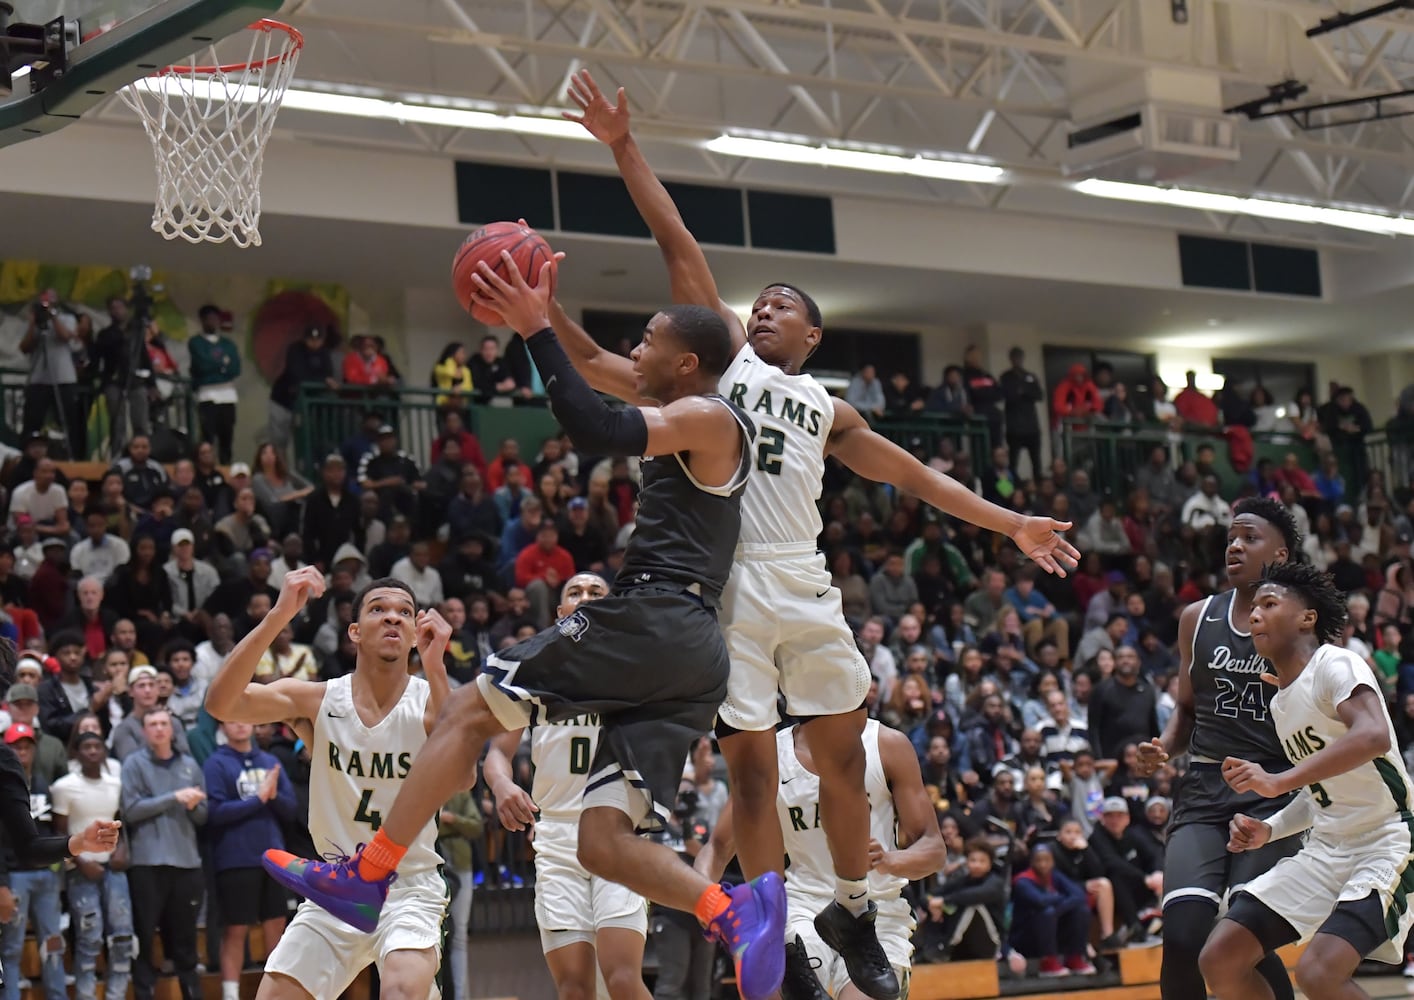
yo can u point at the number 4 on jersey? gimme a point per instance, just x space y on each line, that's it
363 814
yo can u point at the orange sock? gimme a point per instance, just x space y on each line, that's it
711 904
379 858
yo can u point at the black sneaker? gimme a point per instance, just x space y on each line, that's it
854 938
1115 942
801 983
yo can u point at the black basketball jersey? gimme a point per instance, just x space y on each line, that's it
687 532
1231 702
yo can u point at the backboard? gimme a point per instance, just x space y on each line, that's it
59 58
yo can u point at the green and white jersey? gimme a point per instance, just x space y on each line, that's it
562 753
1372 795
793 415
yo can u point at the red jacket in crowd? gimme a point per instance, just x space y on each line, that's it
1077 396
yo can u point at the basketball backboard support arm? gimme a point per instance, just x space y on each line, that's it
157 37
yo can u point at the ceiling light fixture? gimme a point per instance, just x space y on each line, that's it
845 158
449 112
1262 208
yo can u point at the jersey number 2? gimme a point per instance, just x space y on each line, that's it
579 755
1232 701
363 814
768 452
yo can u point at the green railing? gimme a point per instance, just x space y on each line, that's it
1392 452
327 418
174 411
968 434
1113 453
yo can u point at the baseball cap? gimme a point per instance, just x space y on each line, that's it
334 458
18 731
1114 804
260 554
578 503
240 469
22 692
1157 800
385 429
138 673
183 535
54 542
23 519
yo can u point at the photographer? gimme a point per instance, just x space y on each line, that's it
124 373
685 957
52 342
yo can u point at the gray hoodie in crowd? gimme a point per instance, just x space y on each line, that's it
161 831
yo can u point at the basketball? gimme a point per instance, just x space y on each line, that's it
527 248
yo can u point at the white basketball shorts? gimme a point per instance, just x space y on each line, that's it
785 630
324 955
572 906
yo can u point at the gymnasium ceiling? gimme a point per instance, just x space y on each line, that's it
994 79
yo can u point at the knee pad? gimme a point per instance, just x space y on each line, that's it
1187 924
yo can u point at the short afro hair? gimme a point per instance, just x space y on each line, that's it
812 311
1275 513
1317 591
702 332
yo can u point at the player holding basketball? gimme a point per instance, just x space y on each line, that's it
1223 710
1346 889
782 617
363 730
900 813
582 918
649 659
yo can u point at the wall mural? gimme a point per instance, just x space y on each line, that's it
268 314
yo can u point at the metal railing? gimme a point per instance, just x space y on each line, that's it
328 417
173 411
1113 453
922 431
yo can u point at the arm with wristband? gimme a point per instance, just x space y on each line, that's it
691 422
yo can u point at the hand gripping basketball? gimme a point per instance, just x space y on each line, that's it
522 308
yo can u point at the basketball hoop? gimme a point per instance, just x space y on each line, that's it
209 123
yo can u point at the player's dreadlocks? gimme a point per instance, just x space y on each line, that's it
1317 591
1275 513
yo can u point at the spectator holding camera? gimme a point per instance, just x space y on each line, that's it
53 345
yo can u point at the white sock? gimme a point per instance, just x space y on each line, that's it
230 990
852 894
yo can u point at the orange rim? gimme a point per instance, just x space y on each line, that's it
264 24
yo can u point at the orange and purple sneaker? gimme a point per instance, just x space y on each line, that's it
334 884
753 928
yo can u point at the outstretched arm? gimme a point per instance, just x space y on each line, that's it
691 278
604 370
234 697
866 452
692 423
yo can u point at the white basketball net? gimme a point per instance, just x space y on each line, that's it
209 123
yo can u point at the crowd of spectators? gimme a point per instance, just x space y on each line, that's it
1024 694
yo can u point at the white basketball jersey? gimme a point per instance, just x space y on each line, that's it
1366 797
793 416
562 753
355 771
811 871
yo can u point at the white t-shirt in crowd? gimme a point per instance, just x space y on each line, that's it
84 800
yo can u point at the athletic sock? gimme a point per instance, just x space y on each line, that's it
852 894
713 902
380 858
230 990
